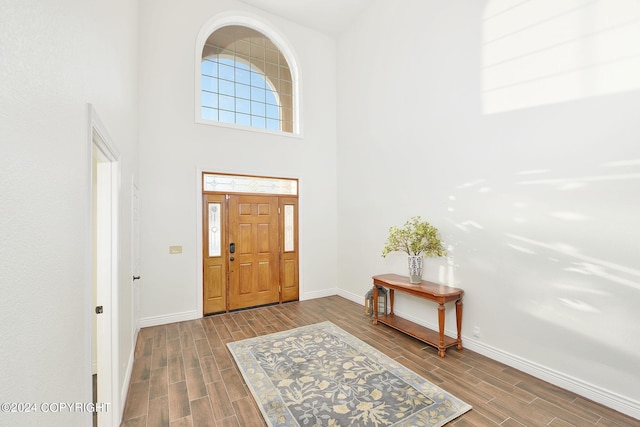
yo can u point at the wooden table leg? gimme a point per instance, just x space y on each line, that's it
459 322
391 302
375 305
441 314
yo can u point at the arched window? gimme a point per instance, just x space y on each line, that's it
246 80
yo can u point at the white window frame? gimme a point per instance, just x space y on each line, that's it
224 20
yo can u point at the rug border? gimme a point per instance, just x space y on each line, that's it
465 407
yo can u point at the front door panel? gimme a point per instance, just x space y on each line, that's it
253 266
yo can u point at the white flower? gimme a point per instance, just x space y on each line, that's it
364 406
340 409
285 383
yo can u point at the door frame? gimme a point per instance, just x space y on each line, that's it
199 294
103 244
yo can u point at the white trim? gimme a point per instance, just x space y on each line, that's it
127 374
590 391
260 24
597 394
202 121
169 318
199 248
99 139
351 296
318 294
106 143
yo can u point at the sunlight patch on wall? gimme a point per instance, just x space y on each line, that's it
569 216
588 265
548 51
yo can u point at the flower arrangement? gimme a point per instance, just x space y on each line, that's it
417 237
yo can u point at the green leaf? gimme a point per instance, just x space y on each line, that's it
416 237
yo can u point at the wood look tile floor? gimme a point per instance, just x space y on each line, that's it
184 375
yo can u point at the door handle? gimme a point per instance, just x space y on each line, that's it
232 259
232 248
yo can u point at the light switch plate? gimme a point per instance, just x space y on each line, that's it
175 249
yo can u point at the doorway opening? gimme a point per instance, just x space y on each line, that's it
105 174
250 241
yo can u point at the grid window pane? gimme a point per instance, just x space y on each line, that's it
243 119
209 113
271 56
226 72
271 98
273 124
285 87
273 111
209 68
243 79
258 94
243 76
243 106
227 103
258 122
257 80
208 83
258 109
227 88
227 116
243 91
209 99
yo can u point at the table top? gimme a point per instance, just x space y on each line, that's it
428 288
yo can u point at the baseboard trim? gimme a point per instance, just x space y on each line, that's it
600 395
127 380
359 299
318 294
169 318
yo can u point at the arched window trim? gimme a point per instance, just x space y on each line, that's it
227 19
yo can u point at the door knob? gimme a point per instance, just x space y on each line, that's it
99 309
232 259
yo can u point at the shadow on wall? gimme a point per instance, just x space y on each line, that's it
562 241
536 53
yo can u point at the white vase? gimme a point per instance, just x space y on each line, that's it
415 268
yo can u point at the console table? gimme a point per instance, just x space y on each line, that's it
427 290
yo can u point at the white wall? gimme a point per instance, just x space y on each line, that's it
55 58
539 204
174 150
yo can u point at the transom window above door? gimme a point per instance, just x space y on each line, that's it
246 80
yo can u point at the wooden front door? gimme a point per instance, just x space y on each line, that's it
250 251
254 272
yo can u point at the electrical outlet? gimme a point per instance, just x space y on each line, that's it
476 332
175 249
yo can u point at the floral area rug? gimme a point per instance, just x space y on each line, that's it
320 375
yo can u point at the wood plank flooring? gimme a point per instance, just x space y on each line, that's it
183 374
